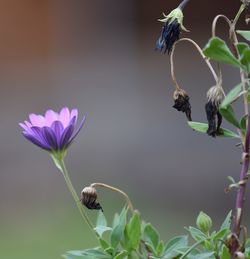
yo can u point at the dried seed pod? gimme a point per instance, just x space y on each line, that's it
181 102
89 197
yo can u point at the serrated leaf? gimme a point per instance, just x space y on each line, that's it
151 235
196 234
227 222
123 254
225 253
217 50
171 248
244 34
202 127
228 114
231 96
133 233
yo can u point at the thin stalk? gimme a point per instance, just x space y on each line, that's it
130 205
183 4
65 173
242 189
202 55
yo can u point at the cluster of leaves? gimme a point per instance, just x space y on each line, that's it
129 237
217 50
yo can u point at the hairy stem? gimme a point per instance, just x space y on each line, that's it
241 191
116 190
202 55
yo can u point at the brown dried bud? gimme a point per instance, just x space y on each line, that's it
88 198
181 102
232 241
215 97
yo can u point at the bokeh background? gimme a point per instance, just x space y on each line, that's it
99 56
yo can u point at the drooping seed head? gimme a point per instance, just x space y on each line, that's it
89 197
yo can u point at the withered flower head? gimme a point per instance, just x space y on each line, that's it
181 102
173 24
89 197
214 98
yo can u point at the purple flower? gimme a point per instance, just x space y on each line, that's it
53 131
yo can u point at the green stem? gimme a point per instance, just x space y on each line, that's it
237 16
59 161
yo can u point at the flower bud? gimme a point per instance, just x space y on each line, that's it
181 102
204 222
88 198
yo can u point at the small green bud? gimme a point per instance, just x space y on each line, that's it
204 222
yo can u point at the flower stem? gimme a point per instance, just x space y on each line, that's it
59 161
116 190
202 55
183 4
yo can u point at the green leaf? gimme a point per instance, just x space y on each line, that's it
202 127
217 50
231 96
245 60
229 115
205 255
241 47
244 34
118 228
86 254
160 248
196 234
133 233
227 222
101 220
247 246
123 254
221 234
225 253
103 244
102 229
151 236
243 123
171 248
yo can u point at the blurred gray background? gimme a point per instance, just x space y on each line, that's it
98 56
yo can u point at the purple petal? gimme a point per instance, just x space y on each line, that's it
37 132
50 137
78 130
50 117
37 120
35 141
67 133
74 113
58 128
64 116
25 128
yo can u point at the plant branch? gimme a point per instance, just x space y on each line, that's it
202 55
115 190
241 191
